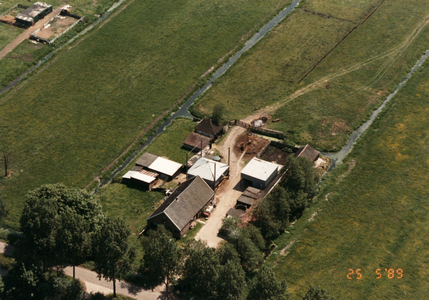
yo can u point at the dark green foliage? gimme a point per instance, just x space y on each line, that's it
58 221
227 253
162 257
201 271
218 113
316 293
250 255
231 281
265 219
299 176
3 210
229 227
112 253
255 236
21 282
266 287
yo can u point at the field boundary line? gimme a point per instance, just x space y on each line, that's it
329 52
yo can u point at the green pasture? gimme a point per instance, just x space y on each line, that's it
372 212
68 122
325 107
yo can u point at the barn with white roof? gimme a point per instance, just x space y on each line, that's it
260 172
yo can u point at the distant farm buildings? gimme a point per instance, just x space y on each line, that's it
308 152
34 13
204 134
183 206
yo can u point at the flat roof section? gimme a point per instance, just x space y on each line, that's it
165 166
205 168
143 175
260 169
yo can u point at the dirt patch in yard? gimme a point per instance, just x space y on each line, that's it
251 144
25 57
57 26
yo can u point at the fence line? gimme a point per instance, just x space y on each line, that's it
249 126
12 8
65 31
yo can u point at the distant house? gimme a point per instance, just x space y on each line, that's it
146 177
183 206
211 171
167 169
196 142
308 152
34 13
207 128
260 172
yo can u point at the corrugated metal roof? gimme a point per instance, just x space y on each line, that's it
205 168
260 169
194 140
142 175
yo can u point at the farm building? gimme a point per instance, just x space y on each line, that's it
167 169
146 177
211 171
249 197
207 128
183 206
34 13
308 152
260 172
196 142
233 212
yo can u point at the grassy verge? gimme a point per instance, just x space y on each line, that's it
347 84
372 212
83 110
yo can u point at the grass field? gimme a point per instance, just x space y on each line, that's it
72 119
376 213
345 87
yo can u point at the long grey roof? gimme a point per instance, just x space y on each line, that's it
185 202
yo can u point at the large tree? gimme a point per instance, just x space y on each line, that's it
231 281
162 257
42 218
266 287
73 239
299 176
111 251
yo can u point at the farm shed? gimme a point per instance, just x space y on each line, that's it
211 171
308 152
249 197
147 178
207 128
167 169
233 212
183 206
260 172
196 142
34 13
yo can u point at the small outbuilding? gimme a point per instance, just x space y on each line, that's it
211 171
183 206
249 197
207 128
308 152
260 172
147 178
34 13
196 142
233 212
167 169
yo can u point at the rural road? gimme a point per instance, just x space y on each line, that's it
94 285
26 34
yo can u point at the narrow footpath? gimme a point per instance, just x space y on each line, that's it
94 285
26 34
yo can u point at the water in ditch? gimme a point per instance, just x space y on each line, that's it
337 158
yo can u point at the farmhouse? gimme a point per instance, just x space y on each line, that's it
196 142
146 177
207 128
167 169
308 152
34 13
211 171
260 172
183 206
